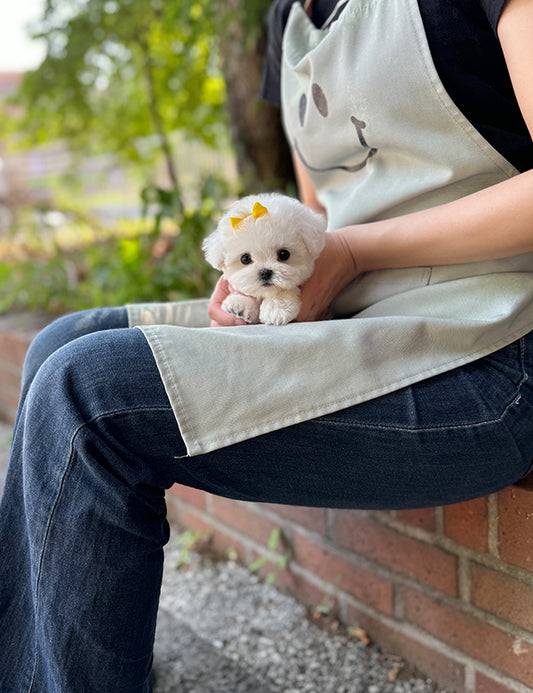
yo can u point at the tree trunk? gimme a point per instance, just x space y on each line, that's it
153 104
263 156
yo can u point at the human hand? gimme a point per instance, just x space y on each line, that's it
334 269
219 317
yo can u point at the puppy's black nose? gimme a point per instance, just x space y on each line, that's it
265 274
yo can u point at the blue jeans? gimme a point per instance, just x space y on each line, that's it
82 522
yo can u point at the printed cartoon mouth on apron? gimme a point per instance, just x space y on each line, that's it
320 101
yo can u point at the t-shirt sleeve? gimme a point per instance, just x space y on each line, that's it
493 10
271 86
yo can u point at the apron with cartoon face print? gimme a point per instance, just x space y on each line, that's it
366 113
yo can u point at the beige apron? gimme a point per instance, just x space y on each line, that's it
392 142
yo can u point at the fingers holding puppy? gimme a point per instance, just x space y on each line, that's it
219 317
334 269
266 246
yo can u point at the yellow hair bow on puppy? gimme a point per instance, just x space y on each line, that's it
257 211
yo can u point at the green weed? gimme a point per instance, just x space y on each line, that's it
276 542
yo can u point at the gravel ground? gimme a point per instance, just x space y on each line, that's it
222 630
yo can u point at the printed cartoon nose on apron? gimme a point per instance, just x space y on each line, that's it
367 115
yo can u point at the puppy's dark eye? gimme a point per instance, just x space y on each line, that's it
246 259
283 255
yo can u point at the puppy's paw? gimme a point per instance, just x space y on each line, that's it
244 307
278 312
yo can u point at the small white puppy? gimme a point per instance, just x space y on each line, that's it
266 246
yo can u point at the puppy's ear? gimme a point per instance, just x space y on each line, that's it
313 232
213 247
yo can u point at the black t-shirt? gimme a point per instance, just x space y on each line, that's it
467 55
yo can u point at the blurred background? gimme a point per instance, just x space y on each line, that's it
126 128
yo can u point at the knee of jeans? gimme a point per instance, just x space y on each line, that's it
95 374
48 340
104 387
56 382
64 330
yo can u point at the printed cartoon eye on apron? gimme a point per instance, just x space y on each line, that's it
366 113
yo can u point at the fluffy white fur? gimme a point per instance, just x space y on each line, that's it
266 259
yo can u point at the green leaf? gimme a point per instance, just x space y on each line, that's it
256 565
274 538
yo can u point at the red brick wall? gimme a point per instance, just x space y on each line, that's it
450 589
16 333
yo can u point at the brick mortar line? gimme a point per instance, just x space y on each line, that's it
432 539
209 503
249 544
470 677
399 579
427 639
471 664
402 627
281 521
507 627
350 557
449 545
378 569
464 580
492 521
464 554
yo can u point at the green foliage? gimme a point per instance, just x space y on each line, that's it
118 75
149 266
328 602
168 204
189 541
279 561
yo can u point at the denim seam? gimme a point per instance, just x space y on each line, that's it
516 448
58 499
525 378
44 545
471 424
